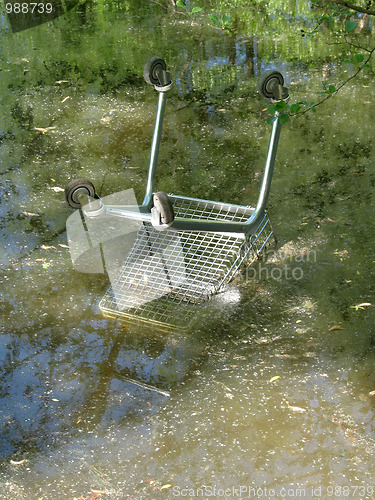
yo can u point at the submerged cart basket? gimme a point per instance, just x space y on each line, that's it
185 249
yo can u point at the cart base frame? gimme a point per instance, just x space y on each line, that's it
167 272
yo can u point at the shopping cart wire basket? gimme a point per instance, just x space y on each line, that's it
182 250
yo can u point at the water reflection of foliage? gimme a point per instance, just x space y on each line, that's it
129 33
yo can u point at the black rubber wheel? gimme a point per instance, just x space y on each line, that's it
266 85
164 205
75 187
151 70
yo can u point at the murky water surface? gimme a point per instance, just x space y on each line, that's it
268 395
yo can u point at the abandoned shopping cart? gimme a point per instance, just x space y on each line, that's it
183 250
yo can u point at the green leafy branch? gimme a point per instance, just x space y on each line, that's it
191 12
328 90
224 22
285 110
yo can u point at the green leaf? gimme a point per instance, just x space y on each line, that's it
294 108
350 26
280 105
331 89
196 9
271 119
214 19
359 58
284 117
226 19
180 3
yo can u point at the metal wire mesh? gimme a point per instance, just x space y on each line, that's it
168 271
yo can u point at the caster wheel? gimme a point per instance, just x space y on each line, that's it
75 189
164 206
154 72
271 86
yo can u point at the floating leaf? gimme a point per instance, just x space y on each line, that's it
296 409
334 328
274 378
263 341
44 130
350 26
361 306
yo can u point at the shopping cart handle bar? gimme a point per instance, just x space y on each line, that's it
142 213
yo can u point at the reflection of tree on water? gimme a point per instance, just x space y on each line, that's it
136 377
52 387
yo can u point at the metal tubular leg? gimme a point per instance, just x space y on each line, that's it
147 202
268 168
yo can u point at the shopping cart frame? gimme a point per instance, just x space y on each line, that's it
186 249
271 87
